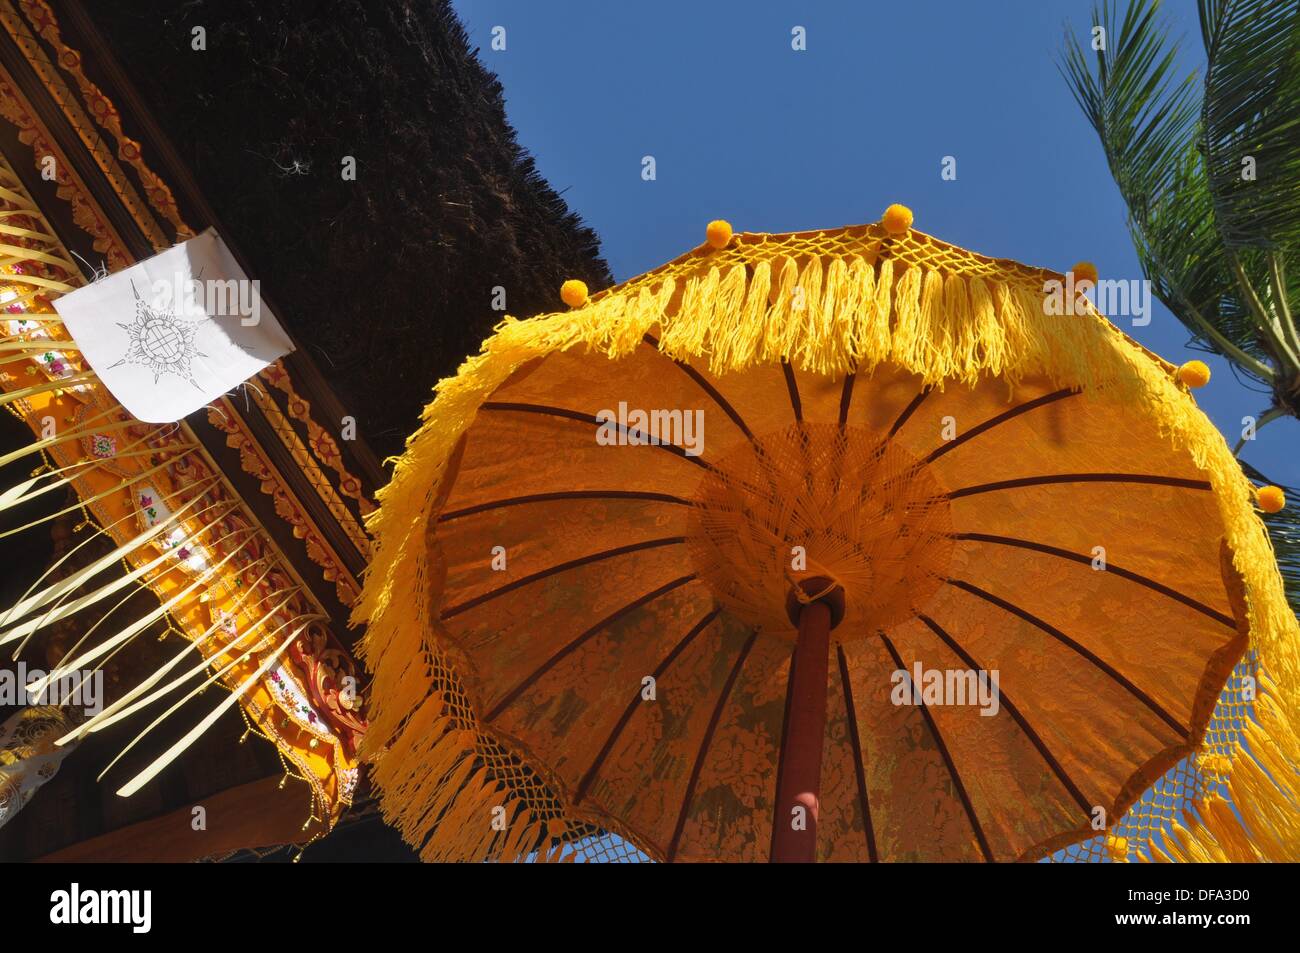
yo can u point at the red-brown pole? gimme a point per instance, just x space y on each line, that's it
799 783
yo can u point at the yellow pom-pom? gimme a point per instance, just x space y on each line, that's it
1085 272
1117 846
574 293
718 233
897 219
1194 373
1271 499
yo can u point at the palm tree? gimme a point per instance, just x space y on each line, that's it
1210 172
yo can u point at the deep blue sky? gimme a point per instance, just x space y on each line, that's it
744 128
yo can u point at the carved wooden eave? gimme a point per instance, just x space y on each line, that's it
92 168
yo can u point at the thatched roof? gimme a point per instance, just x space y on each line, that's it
388 278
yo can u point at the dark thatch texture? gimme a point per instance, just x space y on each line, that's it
388 279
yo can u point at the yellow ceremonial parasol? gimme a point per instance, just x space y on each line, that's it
837 545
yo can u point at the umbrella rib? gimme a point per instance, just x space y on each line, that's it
792 386
717 398
563 495
726 406
856 741
1143 478
566 414
908 411
1001 418
564 652
1128 574
947 759
846 397
1179 731
455 610
705 386
707 741
1015 713
590 777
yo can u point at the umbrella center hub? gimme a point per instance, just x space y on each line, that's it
820 500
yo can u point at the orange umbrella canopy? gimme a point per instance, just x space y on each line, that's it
596 554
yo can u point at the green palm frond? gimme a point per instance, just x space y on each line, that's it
1251 119
1148 119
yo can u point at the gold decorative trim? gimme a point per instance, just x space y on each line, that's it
31 132
256 464
101 107
19 29
323 445
311 470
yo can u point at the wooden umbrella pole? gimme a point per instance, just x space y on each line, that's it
798 784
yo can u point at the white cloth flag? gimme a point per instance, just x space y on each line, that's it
176 331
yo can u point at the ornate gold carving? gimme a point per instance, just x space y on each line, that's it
69 188
289 437
256 464
39 20
322 444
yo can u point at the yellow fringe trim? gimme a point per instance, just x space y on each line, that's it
829 314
